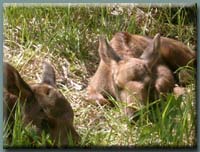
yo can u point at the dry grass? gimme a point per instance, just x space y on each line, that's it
67 37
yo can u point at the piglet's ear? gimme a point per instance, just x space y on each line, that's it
156 42
14 84
106 52
152 53
48 75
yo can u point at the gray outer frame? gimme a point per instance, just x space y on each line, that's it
177 2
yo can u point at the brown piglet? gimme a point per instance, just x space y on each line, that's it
133 65
43 105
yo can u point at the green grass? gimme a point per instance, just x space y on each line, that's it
68 37
23 136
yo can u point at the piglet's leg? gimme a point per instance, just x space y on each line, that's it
165 81
96 98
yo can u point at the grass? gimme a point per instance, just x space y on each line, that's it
23 136
68 37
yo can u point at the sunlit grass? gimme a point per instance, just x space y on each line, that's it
68 37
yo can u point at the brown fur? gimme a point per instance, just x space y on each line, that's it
174 52
120 70
134 95
45 107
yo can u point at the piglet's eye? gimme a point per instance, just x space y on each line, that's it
41 110
119 88
45 125
47 92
